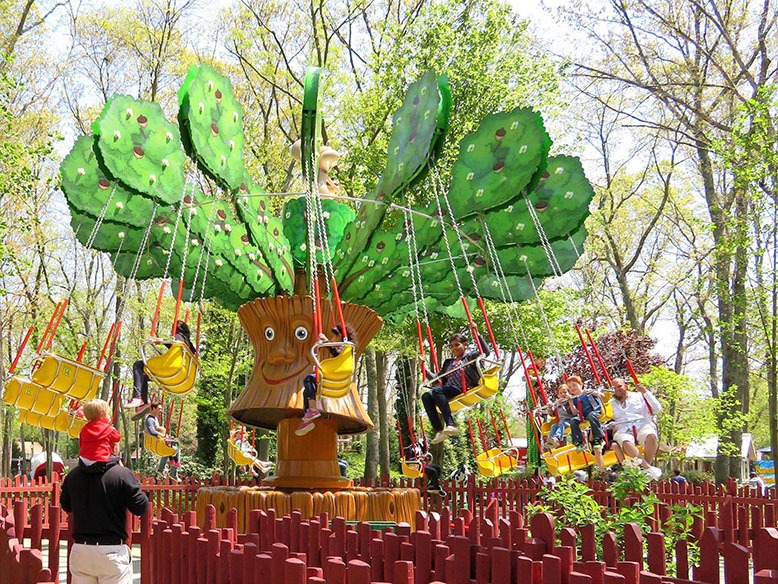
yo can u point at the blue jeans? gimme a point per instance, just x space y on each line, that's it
558 430
594 424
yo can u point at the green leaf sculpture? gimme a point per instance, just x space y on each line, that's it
212 125
126 191
139 147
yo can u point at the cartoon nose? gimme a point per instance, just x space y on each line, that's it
281 353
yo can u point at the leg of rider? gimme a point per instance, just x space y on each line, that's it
309 391
433 475
161 465
432 413
575 431
630 450
140 382
650 446
594 424
441 396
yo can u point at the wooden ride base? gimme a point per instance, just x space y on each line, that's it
353 504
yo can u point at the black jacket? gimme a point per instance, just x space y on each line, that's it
99 496
472 378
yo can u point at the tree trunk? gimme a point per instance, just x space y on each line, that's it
383 422
372 447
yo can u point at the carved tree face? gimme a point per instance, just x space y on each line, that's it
285 341
281 331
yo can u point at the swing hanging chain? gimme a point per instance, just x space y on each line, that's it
554 346
173 238
136 263
549 251
504 287
101 217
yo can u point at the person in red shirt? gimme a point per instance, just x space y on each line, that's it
98 440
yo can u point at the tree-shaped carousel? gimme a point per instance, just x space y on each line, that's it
508 217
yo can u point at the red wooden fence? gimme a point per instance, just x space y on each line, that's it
734 526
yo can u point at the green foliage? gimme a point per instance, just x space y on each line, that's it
573 506
686 414
698 477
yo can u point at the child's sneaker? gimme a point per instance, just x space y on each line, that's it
438 438
311 415
450 430
306 426
134 403
580 447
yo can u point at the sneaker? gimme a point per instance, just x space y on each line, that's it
439 437
311 415
438 491
450 430
597 445
580 447
264 466
654 472
134 403
305 427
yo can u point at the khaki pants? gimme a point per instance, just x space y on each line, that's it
100 564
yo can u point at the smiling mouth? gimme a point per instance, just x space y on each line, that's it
270 381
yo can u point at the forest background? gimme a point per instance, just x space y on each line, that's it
671 105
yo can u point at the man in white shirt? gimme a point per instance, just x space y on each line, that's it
633 417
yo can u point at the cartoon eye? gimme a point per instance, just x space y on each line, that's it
270 334
301 333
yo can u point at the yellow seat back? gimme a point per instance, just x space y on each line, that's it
175 370
67 422
336 374
33 419
607 412
66 376
488 386
157 445
237 455
20 392
496 461
412 469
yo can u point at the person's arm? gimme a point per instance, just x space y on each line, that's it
115 436
136 500
650 399
151 426
64 497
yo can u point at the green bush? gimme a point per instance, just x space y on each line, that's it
698 477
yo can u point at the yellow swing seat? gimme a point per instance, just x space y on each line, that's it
67 376
237 455
412 469
175 370
488 386
28 395
497 461
39 420
336 374
565 459
157 445
69 423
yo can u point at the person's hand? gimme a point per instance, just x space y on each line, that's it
162 431
641 388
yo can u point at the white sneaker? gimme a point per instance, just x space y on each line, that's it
654 472
439 437
450 431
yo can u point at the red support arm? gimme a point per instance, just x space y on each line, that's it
21 350
588 355
155 320
599 358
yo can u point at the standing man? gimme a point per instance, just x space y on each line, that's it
98 498
153 428
633 416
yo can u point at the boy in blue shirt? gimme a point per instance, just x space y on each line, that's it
589 407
